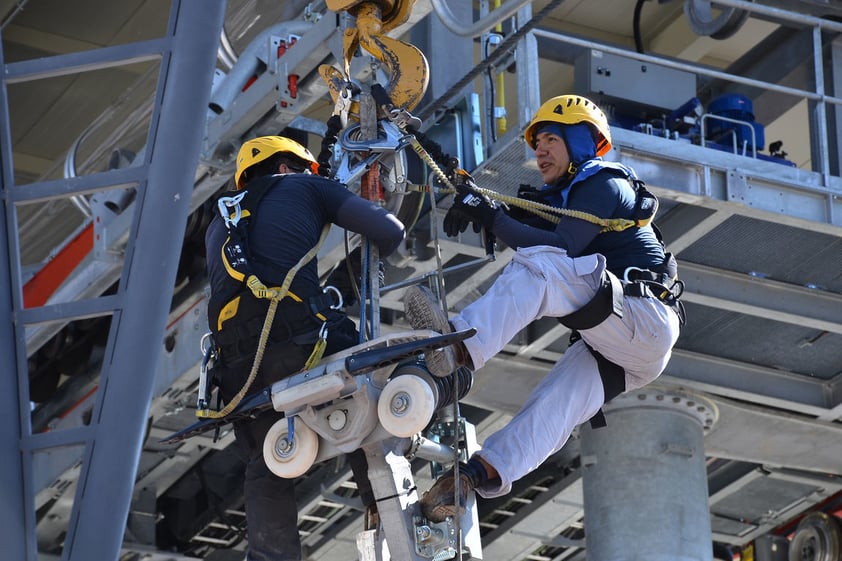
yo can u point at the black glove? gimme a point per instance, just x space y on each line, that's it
528 193
469 206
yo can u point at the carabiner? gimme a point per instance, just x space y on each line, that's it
208 357
626 273
225 203
339 301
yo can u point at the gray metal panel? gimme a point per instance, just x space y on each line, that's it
761 341
761 498
766 249
625 83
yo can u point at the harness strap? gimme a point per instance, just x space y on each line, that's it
613 378
609 297
607 300
297 314
275 296
658 289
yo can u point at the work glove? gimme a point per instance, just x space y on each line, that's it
528 193
469 207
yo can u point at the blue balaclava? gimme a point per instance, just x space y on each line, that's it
581 146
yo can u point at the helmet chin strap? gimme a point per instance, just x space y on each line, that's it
572 167
574 137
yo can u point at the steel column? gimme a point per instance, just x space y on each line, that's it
17 516
528 83
644 479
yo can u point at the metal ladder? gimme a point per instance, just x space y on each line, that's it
113 437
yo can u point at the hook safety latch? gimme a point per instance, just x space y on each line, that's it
209 356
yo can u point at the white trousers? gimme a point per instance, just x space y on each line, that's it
542 281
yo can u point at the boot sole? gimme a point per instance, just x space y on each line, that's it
423 311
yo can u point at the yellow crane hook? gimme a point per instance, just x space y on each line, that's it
406 65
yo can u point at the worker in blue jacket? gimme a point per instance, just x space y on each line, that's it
615 288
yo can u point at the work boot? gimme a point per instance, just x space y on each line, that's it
423 311
438 503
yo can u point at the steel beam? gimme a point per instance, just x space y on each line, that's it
107 479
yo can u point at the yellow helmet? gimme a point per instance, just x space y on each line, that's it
258 149
569 110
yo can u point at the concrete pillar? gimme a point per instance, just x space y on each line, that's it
644 478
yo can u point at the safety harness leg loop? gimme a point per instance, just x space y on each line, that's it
607 300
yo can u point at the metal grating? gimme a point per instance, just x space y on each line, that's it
509 167
758 340
769 250
762 498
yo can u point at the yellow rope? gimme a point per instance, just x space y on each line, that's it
274 295
549 212
546 212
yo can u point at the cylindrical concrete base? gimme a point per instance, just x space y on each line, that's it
645 482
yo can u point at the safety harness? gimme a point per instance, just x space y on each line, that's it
241 314
659 282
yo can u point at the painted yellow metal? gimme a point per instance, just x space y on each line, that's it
405 64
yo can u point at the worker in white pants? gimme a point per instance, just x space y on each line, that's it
572 271
571 392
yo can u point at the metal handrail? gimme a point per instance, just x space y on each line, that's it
819 96
707 116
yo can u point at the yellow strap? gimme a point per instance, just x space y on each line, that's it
317 354
275 295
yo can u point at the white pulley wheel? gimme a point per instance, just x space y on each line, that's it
290 459
406 405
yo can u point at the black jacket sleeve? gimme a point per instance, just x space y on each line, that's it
571 234
372 221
